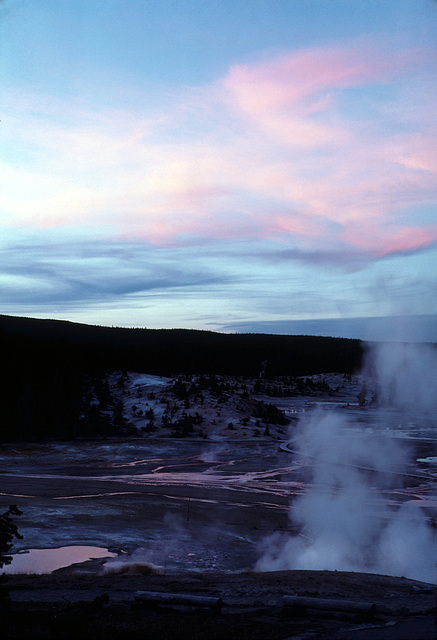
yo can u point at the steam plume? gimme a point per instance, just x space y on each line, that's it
345 520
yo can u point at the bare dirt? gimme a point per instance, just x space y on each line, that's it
82 603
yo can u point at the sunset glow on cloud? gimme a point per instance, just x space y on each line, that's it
322 152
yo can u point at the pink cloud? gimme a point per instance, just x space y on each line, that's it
416 151
305 225
406 239
286 96
410 239
290 79
274 150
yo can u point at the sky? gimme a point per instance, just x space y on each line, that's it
227 165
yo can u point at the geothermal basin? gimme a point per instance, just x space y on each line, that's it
187 504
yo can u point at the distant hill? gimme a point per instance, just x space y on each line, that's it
46 363
172 351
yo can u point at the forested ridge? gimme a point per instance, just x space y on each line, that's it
48 363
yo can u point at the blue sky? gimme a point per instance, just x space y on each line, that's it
256 165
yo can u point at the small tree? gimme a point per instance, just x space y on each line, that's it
8 531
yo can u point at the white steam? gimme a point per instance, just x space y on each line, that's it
154 557
346 520
405 376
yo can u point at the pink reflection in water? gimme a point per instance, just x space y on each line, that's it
48 560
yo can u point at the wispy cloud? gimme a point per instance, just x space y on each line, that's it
289 149
85 272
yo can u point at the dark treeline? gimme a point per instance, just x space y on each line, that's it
46 364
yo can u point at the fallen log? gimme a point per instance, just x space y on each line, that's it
187 599
326 604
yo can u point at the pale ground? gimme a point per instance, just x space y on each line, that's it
227 414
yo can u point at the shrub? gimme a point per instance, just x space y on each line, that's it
8 531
